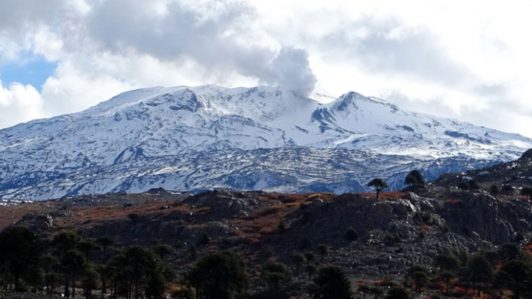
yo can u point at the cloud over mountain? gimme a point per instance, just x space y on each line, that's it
472 67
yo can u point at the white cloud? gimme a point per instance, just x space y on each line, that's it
466 60
18 103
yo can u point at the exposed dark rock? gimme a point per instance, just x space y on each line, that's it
494 220
39 223
527 155
224 204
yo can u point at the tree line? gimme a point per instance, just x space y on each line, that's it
70 265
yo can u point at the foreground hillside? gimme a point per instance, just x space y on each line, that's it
263 138
378 244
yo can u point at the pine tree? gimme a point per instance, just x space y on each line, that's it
331 282
379 185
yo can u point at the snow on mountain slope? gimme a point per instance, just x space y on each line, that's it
246 138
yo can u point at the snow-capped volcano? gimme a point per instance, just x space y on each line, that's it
185 138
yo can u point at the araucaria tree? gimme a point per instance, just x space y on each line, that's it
218 276
331 282
72 261
479 272
379 185
414 180
18 257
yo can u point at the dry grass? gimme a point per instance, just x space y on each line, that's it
264 220
11 214
393 195
77 217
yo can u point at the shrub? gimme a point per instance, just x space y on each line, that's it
323 250
281 227
527 191
275 275
331 282
204 239
133 217
494 190
298 260
397 293
508 189
415 180
351 235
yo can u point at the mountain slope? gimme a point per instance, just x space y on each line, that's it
511 174
244 138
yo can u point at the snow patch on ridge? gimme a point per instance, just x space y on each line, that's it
196 137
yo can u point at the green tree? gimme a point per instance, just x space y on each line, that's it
35 278
53 280
419 276
204 240
414 179
311 270
163 250
449 266
473 185
73 264
105 242
309 257
155 284
526 191
509 252
117 277
48 263
331 282
19 256
351 235
65 246
137 272
275 275
193 252
218 276
323 250
397 293
140 267
421 279
494 190
87 246
298 260
517 276
379 185
90 280
479 272
105 274
508 189
65 242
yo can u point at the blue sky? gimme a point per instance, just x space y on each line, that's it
32 70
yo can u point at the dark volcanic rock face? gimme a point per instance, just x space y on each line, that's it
329 221
392 235
38 223
225 204
527 155
489 218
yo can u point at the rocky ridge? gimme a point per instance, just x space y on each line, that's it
390 235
